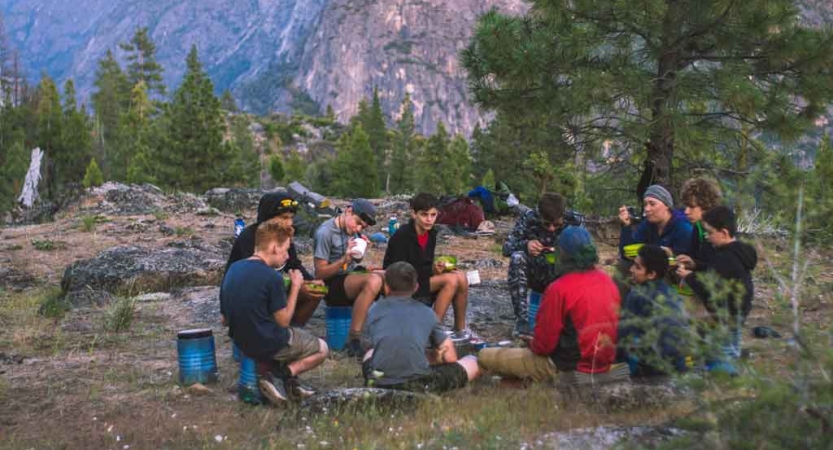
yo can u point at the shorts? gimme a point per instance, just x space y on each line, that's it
443 378
301 344
337 294
518 363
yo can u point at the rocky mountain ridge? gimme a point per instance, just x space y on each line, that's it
274 55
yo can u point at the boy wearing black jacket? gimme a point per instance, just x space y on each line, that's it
415 243
279 206
732 262
699 195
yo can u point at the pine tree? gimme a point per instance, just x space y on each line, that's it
246 166
12 174
276 170
404 151
433 163
354 168
137 129
662 76
141 62
295 168
377 133
92 175
76 139
228 103
50 123
110 101
459 166
197 155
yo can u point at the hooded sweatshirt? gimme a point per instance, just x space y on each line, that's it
244 245
676 235
733 262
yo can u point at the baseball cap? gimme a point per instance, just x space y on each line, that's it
365 210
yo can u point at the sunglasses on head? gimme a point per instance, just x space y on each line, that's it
288 202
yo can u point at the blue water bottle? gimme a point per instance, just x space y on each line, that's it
393 225
239 224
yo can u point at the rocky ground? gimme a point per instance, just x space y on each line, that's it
107 389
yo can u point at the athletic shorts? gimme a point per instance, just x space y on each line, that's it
443 378
337 294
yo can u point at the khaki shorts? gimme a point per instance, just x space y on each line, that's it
301 344
518 363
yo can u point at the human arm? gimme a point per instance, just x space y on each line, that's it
444 354
283 316
325 270
548 322
517 240
294 262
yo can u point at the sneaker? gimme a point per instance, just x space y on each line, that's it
461 335
298 389
354 348
521 330
273 388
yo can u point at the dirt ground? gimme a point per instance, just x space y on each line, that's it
68 383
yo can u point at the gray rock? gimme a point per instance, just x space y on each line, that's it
121 199
87 296
603 438
153 297
629 396
165 229
233 200
303 245
128 270
358 399
16 280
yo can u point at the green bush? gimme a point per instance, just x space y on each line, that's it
93 175
54 305
276 170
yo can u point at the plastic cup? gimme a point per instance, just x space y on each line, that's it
358 250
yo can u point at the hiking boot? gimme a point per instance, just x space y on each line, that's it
298 389
273 388
522 330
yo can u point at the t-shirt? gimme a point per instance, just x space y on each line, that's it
399 330
422 240
251 293
331 243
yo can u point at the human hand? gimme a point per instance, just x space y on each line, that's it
439 267
315 295
686 261
683 272
624 215
534 247
297 279
668 251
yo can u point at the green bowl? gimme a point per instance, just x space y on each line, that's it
286 282
550 257
684 289
317 288
631 250
450 262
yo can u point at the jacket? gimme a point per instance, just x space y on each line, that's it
676 235
734 263
403 246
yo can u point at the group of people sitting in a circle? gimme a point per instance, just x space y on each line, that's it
587 328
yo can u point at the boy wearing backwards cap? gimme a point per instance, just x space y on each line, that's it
336 255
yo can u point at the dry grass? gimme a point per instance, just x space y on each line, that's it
81 386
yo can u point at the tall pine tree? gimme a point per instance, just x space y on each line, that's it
110 100
433 163
136 124
196 158
459 166
76 139
661 77
354 169
404 151
142 64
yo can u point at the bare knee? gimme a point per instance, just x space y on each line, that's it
373 283
323 348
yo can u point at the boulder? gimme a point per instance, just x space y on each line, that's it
629 396
16 280
603 438
360 399
130 270
233 200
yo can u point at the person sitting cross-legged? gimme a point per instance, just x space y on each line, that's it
415 243
575 330
398 332
258 312
653 326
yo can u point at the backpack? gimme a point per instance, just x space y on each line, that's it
460 212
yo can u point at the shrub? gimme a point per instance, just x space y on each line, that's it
93 175
54 304
120 315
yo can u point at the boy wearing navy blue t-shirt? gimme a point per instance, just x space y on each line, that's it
258 311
